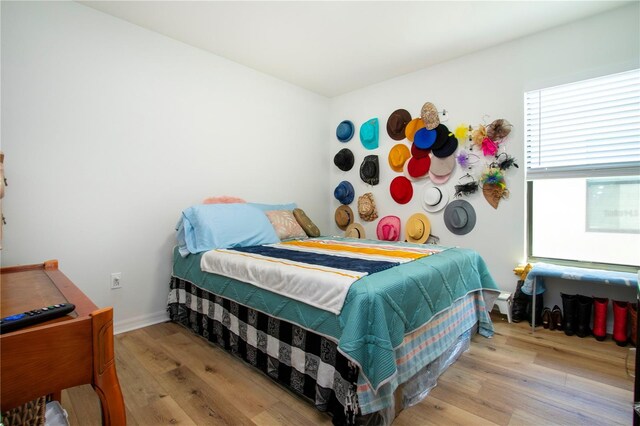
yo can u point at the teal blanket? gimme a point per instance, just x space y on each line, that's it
379 308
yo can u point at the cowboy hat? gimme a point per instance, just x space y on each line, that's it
417 228
388 228
369 134
396 124
369 170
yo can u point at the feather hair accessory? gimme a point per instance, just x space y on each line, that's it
494 188
504 161
466 188
461 132
489 147
493 176
478 135
499 129
466 159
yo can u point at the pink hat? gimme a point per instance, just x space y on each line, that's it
388 228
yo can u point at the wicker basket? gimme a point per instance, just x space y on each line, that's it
30 414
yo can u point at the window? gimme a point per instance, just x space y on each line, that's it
583 171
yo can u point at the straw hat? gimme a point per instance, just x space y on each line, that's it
429 115
355 230
417 228
367 207
344 217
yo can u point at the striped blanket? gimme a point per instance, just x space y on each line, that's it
317 272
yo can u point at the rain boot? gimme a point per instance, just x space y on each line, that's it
633 317
570 312
585 304
620 323
519 304
600 308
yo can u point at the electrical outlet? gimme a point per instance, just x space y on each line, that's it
116 280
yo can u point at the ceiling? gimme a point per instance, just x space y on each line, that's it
332 47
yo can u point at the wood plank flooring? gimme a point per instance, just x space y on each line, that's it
170 376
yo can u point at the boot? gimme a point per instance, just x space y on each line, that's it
519 304
570 309
633 317
620 322
539 307
600 308
556 318
585 304
546 318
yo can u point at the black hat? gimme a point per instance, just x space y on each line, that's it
442 135
344 159
448 148
369 170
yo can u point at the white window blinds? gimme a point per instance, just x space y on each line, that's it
587 128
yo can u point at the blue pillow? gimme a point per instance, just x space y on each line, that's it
210 226
269 207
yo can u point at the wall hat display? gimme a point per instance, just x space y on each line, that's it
442 136
424 138
344 159
367 207
345 131
344 192
460 217
448 148
369 134
419 152
418 167
370 170
396 124
388 228
355 230
434 199
417 228
401 190
398 155
442 166
344 217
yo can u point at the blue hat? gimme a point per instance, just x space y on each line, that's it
425 138
369 134
345 131
344 192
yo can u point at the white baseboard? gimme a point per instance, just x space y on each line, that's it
139 322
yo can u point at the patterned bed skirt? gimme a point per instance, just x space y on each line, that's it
306 363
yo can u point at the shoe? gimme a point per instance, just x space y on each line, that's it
519 304
556 318
585 304
600 308
546 318
620 323
633 317
570 309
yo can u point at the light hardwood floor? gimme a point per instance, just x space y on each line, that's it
169 376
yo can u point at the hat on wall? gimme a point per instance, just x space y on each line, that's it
419 152
398 155
448 148
367 207
344 192
417 228
343 217
433 198
354 230
369 170
424 138
429 115
442 166
344 159
442 135
412 127
397 122
369 134
345 131
499 129
401 190
460 217
418 167
388 228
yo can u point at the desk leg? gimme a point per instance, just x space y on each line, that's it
533 305
105 380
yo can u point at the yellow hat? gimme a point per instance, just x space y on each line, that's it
413 126
397 156
418 228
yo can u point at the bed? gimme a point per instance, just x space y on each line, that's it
399 326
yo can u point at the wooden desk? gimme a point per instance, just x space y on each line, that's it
65 352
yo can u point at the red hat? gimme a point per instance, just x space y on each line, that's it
418 167
401 190
419 152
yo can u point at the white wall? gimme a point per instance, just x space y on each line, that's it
479 88
111 130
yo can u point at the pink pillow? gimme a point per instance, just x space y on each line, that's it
285 224
223 199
